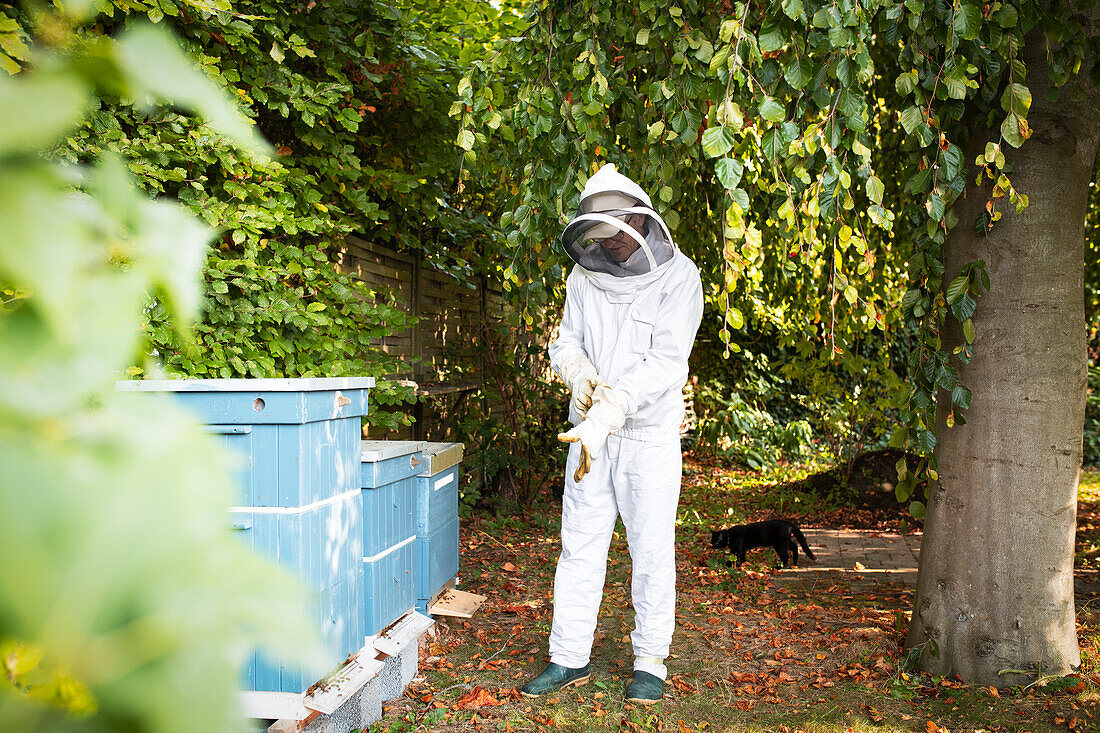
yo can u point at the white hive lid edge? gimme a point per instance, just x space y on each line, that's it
301 384
373 451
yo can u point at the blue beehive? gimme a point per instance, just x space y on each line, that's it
389 469
437 520
298 495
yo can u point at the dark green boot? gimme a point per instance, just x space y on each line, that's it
645 688
554 678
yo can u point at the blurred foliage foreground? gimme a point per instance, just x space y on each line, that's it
122 595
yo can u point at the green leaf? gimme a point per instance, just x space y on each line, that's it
741 198
799 72
730 114
852 106
962 397
642 39
964 307
917 509
911 298
1010 130
771 110
718 141
11 42
875 189
726 30
841 37
952 161
771 38
10 65
898 437
793 9
719 59
465 88
729 172
705 52
1016 98
906 82
826 17
153 59
903 490
968 330
957 287
947 377
36 111
918 182
968 21
465 139
846 71
911 118
935 207
1006 16
956 83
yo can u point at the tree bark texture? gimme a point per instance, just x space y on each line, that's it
995 586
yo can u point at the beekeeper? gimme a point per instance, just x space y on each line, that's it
633 304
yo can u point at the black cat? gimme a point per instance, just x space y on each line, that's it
776 533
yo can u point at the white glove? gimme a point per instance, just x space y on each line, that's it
572 368
604 417
582 392
581 377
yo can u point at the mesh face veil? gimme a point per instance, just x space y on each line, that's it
616 231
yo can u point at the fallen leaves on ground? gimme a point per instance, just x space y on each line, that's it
477 698
754 645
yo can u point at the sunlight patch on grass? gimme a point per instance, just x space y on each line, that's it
1089 490
717 497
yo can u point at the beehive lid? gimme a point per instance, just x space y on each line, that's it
374 451
307 384
440 457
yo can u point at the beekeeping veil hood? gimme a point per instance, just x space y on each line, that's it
599 237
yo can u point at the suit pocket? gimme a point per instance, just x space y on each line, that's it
651 466
641 331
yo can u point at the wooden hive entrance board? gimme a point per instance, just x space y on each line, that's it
459 603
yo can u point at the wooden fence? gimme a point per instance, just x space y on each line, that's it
439 350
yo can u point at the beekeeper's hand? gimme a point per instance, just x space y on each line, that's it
582 392
581 378
604 417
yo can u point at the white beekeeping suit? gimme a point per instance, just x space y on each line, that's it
633 306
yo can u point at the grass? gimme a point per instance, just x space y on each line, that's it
1089 489
755 649
1088 522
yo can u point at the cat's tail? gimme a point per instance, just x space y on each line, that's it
802 541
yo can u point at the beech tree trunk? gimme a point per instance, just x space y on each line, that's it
995 586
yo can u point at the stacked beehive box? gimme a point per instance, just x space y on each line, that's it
388 480
437 520
299 500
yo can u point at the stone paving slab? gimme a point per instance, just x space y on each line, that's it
870 553
882 556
